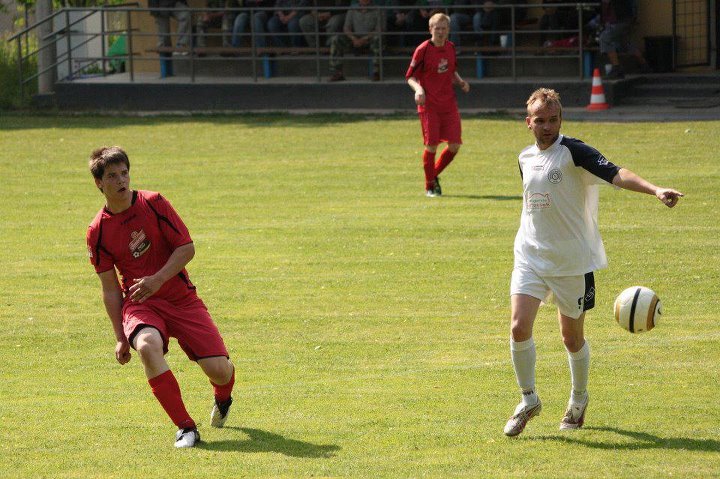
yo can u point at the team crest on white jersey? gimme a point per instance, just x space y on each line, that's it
538 201
555 176
442 65
139 243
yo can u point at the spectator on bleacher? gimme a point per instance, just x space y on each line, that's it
323 23
486 19
162 23
286 19
618 17
400 21
259 12
361 32
557 18
425 10
216 19
462 18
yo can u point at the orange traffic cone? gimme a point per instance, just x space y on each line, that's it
597 95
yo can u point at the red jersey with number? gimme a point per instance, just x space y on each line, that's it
139 241
434 67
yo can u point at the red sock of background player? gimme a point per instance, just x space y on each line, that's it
167 391
222 393
429 166
445 158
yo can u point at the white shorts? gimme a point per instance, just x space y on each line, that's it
573 295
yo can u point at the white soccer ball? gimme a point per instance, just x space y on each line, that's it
638 309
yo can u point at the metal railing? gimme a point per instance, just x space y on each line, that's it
67 31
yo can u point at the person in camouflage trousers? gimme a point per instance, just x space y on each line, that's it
361 32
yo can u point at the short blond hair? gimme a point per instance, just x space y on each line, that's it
439 17
545 96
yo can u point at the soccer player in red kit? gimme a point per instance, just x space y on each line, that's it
138 235
432 74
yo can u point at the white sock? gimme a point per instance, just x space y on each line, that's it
579 371
523 358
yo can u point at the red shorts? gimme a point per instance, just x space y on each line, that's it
189 322
438 127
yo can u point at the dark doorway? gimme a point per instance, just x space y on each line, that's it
692 21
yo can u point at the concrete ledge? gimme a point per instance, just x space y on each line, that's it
180 95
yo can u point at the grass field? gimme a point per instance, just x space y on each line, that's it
368 324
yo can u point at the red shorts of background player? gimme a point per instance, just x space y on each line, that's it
438 127
189 322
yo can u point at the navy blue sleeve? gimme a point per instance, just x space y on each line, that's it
587 157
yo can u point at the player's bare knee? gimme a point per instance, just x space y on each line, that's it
454 147
573 343
148 345
520 330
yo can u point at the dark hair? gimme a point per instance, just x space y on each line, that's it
104 156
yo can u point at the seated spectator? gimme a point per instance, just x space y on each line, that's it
557 18
323 24
462 18
421 16
162 22
618 17
286 19
216 19
361 33
399 22
259 12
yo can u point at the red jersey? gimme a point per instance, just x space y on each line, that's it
139 241
434 67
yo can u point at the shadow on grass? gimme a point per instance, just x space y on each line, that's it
640 440
487 197
263 441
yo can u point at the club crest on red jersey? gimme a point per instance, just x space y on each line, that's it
139 243
443 65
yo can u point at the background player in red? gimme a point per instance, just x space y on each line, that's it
432 74
139 235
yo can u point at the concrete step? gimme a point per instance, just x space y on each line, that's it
676 90
676 102
708 79
395 67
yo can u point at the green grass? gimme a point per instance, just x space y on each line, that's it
368 324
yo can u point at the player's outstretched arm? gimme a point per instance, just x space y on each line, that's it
146 286
628 180
113 298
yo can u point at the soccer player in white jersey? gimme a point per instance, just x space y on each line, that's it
557 248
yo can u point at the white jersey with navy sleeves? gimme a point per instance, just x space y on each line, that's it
559 233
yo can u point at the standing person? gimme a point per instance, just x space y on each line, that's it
139 235
557 248
432 74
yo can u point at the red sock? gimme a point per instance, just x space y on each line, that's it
222 393
167 391
445 158
429 166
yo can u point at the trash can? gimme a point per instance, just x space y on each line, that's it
660 53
